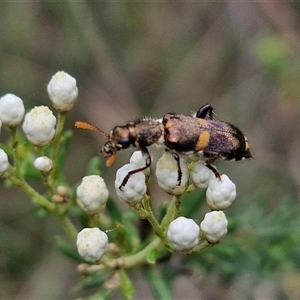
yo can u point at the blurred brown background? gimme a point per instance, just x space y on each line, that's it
137 59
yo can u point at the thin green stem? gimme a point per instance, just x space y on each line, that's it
69 227
14 144
33 194
41 201
94 220
172 209
201 246
48 181
140 257
177 207
39 150
190 188
134 259
148 213
56 141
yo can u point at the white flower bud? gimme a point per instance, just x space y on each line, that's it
134 189
43 163
4 164
62 91
214 226
39 125
138 160
92 194
220 194
201 175
183 233
91 244
167 174
11 110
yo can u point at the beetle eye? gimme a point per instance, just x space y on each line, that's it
125 142
121 137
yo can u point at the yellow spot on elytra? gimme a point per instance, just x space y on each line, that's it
202 122
203 140
168 125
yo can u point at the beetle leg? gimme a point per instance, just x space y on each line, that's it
147 158
217 174
177 158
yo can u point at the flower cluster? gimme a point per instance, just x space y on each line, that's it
182 233
39 124
176 176
40 127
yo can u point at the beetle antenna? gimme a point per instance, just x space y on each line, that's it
84 125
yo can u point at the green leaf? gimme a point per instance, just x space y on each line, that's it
28 171
113 210
158 284
102 294
192 202
92 281
272 52
126 237
93 167
162 210
63 150
152 256
66 249
126 287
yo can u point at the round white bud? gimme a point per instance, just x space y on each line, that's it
39 125
214 226
183 233
4 164
220 194
138 160
201 175
43 163
135 188
167 174
62 91
92 194
92 243
11 110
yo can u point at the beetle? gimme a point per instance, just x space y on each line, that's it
199 137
